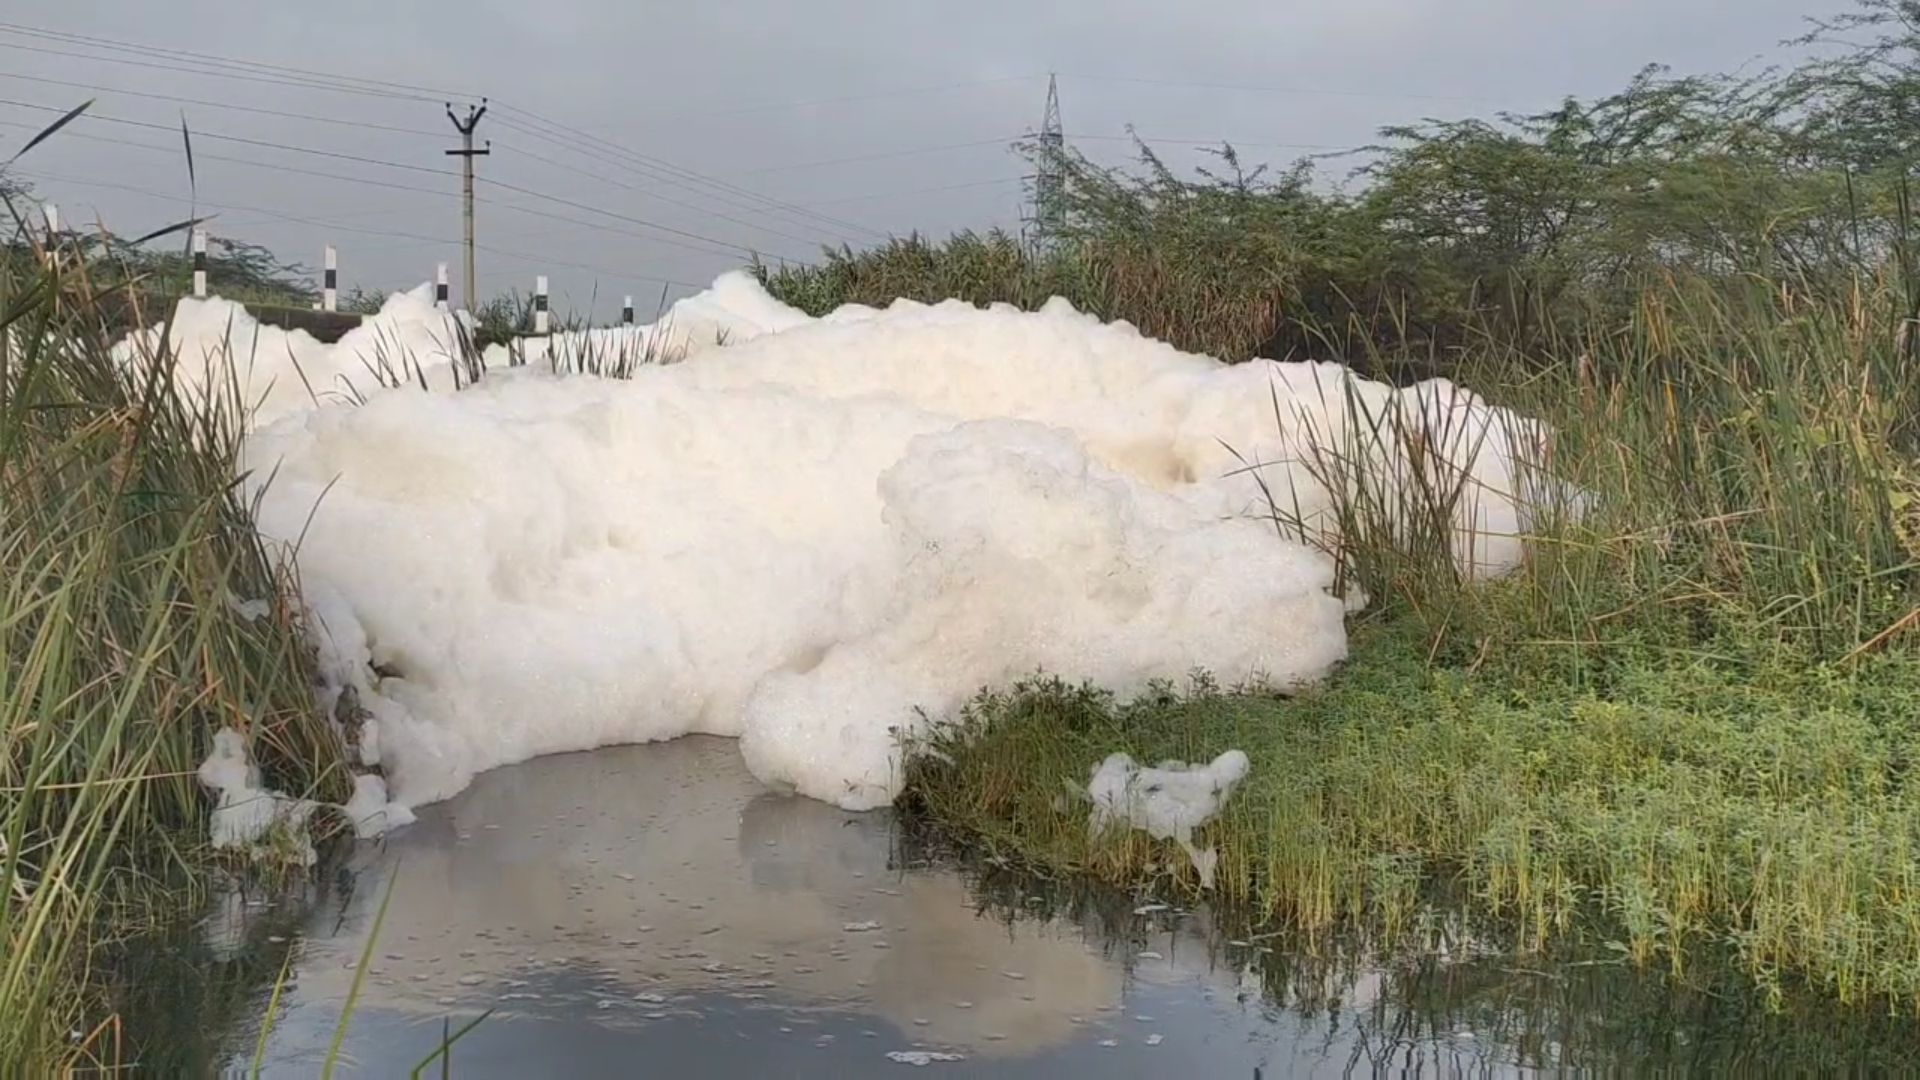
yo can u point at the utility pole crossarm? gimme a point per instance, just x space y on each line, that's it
470 294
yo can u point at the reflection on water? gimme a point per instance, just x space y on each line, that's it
611 903
651 911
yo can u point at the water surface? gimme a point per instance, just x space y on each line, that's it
651 910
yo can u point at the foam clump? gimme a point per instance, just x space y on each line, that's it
734 310
815 533
923 1057
223 355
367 808
245 812
1015 551
1167 801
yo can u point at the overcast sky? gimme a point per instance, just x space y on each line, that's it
749 125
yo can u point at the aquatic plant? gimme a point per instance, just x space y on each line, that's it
139 612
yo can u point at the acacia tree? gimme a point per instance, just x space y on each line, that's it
1860 107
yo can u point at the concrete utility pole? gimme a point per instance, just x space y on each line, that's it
470 293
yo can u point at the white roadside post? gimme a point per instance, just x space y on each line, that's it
200 263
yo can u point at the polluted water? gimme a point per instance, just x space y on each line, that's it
685 918
655 911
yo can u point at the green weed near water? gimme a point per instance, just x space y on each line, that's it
1692 710
138 614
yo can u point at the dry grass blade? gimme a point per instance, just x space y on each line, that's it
50 130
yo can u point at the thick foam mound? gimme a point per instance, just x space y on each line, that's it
220 352
734 310
812 536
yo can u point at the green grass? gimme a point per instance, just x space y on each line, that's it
1572 1005
1690 712
1695 805
128 574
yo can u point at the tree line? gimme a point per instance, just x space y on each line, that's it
1522 227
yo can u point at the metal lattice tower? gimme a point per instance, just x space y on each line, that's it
1050 182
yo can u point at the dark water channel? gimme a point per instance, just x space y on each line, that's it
649 911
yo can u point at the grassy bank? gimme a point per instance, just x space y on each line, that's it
1687 717
1691 712
1571 1006
138 614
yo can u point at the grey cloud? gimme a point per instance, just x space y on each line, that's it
680 83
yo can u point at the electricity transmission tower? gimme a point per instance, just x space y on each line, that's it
1049 183
469 291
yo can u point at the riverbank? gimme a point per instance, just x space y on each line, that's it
702 924
1697 803
1690 711
142 614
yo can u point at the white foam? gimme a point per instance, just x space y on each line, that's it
803 537
1013 552
734 310
245 812
367 809
218 350
1167 801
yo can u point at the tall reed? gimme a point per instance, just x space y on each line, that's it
139 613
1686 716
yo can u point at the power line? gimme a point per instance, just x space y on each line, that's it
268 144
1001 182
737 249
879 95
1289 90
908 152
357 124
34 174
705 212
869 197
296 83
372 161
336 226
656 163
334 222
387 164
504 186
67 134
380 87
257 72
911 152
1150 139
301 78
581 142
241 69
665 172
304 84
